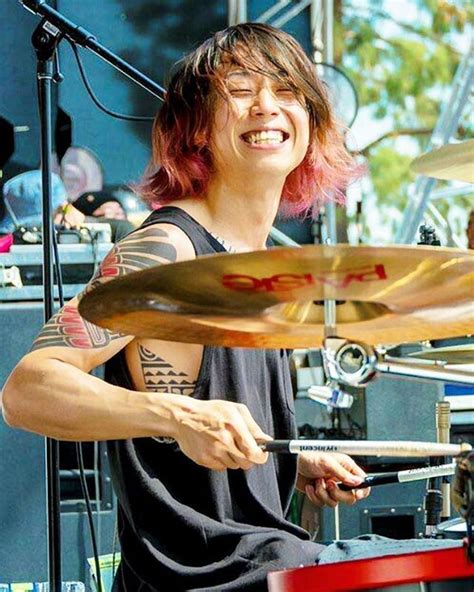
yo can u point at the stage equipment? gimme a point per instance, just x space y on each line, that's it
453 162
20 270
276 298
454 354
448 569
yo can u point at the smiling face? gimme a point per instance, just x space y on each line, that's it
260 126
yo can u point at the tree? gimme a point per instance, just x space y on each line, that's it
402 68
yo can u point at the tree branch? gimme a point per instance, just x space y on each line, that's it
395 134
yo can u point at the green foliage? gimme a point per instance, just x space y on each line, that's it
403 69
390 173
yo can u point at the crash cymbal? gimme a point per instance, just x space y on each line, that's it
454 354
451 162
275 298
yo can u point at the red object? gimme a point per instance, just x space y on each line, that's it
5 243
363 574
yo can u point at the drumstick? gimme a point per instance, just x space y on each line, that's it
402 476
365 448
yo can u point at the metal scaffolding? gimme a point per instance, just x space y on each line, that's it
451 112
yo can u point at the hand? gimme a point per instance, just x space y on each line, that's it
319 473
69 216
220 435
110 209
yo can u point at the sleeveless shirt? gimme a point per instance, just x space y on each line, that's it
183 527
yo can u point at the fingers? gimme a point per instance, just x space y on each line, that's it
318 494
221 435
327 493
341 467
246 435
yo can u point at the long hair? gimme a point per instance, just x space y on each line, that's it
182 163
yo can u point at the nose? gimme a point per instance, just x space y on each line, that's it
265 104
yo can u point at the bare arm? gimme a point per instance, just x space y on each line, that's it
50 391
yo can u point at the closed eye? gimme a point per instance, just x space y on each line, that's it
240 91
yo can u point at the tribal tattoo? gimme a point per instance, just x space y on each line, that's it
140 250
160 377
68 328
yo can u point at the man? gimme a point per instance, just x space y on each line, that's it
246 129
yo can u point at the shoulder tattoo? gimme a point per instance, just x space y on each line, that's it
140 250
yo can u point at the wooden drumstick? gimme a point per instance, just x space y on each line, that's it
402 476
366 448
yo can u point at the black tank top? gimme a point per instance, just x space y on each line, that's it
184 527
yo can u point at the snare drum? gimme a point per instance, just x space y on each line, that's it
440 570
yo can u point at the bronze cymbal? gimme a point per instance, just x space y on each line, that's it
274 298
451 162
454 354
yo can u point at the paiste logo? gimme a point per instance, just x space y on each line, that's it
292 281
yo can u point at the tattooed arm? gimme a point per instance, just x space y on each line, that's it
50 391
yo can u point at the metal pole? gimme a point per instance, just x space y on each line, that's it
45 77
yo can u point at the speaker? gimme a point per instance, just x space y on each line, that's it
23 503
402 408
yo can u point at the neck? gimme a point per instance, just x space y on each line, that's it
240 214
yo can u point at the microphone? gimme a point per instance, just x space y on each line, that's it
82 37
402 476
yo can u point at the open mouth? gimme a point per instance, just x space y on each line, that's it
272 137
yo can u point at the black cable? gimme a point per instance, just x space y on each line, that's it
93 96
89 515
82 478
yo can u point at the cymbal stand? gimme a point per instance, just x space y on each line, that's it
329 332
356 363
437 497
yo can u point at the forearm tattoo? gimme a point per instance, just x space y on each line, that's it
160 377
140 250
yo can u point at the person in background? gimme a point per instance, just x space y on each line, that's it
102 206
22 204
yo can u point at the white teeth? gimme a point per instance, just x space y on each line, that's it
264 137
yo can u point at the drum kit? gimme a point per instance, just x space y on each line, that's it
354 302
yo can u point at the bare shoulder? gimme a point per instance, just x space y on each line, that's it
158 244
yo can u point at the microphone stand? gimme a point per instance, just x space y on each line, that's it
45 46
46 37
